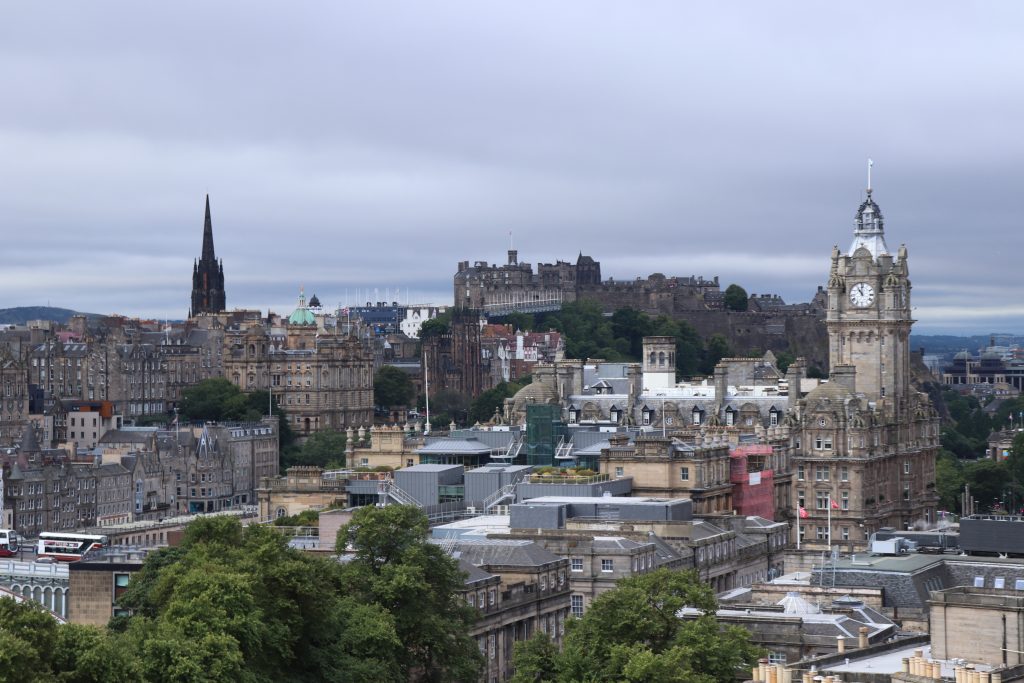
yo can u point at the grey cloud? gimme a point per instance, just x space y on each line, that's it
362 145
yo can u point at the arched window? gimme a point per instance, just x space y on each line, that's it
281 512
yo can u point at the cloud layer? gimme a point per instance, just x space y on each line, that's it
353 146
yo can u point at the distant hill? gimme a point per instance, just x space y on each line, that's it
945 343
22 314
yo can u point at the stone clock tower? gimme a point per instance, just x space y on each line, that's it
869 310
865 443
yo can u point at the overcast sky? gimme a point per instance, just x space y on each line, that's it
348 146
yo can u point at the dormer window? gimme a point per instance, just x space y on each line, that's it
729 417
614 414
648 414
773 417
697 416
574 415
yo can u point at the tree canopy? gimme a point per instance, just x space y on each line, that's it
218 400
392 387
396 571
736 298
235 603
636 632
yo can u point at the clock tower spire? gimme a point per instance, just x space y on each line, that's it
869 310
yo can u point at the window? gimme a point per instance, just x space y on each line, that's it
776 657
491 597
572 416
906 492
844 533
821 500
821 533
696 417
817 443
773 419
647 416
821 472
801 499
544 582
844 473
979 581
800 472
906 467
471 599
576 603
576 564
684 474
606 565
999 582
728 418
844 500
618 472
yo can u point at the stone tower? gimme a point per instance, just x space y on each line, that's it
868 317
207 275
659 362
864 453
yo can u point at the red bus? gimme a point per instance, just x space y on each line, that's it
68 547
8 543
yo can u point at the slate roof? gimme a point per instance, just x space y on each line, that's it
484 553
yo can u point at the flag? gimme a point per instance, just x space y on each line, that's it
803 513
835 505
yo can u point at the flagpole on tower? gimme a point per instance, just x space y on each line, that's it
870 164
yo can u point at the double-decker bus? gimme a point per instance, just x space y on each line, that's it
8 543
68 547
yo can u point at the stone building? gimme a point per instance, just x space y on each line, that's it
207 275
768 323
531 596
454 361
864 444
321 378
13 400
668 467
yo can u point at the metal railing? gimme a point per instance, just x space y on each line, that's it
33 569
388 489
504 493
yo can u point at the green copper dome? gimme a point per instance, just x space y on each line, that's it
302 315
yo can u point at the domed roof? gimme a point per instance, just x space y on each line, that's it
302 315
831 391
536 392
314 302
963 355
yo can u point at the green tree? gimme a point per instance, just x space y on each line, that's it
234 603
483 407
325 448
417 584
392 387
218 400
436 326
636 633
783 360
988 480
736 298
949 481
717 349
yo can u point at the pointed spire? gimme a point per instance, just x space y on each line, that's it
208 254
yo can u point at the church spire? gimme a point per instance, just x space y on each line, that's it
208 234
207 274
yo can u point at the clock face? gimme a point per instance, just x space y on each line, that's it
862 294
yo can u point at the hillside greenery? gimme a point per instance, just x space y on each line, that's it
996 485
